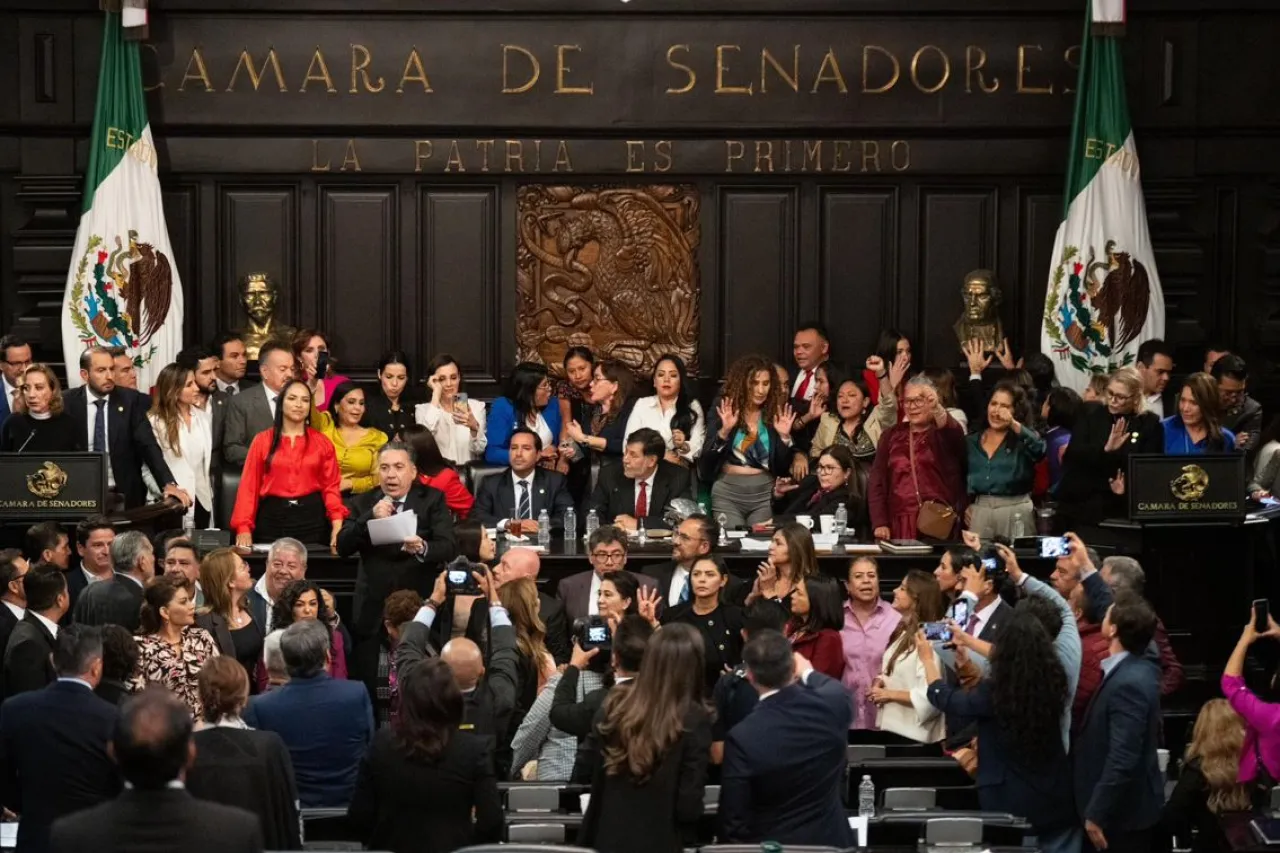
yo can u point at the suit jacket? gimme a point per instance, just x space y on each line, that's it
1118 783
55 761
250 770
7 623
397 795
387 568
131 442
615 493
991 631
158 822
77 583
114 602
496 497
246 415
26 659
735 589
326 724
575 593
784 766
218 402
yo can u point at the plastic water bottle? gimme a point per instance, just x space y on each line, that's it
593 522
867 798
643 536
841 520
544 529
570 523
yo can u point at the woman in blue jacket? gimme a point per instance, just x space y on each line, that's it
528 402
1197 427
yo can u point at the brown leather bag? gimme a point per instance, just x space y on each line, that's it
935 519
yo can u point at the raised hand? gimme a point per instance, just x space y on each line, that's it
784 420
799 467
974 354
1119 435
1117 483
647 604
898 370
1010 562
728 417
875 364
1005 354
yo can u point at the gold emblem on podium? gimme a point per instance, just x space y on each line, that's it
1191 484
48 482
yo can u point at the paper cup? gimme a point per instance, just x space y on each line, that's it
828 523
806 520
584 800
1162 758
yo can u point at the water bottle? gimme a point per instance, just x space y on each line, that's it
706 511
570 523
867 798
1018 527
643 536
841 520
544 529
593 522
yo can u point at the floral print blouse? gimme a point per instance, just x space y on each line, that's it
176 668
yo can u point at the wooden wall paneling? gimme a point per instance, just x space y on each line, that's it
181 203
904 297
1262 264
460 315
359 277
808 287
1039 214
1225 252
259 233
958 233
1181 216
409 302
711 294
48 212
504 274
858 233
218 294
757 270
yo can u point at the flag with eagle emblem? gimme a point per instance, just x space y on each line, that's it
122 289
1104 296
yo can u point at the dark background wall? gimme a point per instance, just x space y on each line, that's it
352 196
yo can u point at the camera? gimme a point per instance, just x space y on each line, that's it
458 577
592 632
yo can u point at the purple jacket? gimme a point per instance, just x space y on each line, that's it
1262 728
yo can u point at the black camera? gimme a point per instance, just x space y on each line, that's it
593 632
459 579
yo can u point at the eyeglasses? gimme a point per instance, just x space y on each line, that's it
828 469
26 363
608 556
685 537
912 402
1119 398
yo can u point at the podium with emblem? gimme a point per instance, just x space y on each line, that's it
52 487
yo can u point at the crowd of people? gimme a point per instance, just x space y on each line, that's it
456 670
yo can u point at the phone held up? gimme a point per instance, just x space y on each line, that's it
1054 546
937 632
1261 615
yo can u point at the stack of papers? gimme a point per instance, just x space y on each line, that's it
761 545
393 529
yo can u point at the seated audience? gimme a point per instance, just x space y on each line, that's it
119 661
1209 785
253 410
427 770
691 541
1260 757
184 432
1197 425
310 348
784 765
286 563
456 423
152 746
436 471
901 689
27 663
673 411
291 485
792 559
303 601
719 623
391 410
850 425
55 742
836 480
118 600
649 764
356 445
810 401
238 766
523 490
325 722
43 426
572 391
1241 414
642 487
527 404
580 593
226 615
1001 464
612 398
869 621
171 648
814 629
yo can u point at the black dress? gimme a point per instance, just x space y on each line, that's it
1084 494
22 433
721 631
379 415
252 770
247 642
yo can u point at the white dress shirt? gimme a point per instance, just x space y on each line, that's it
17 611
593 602
799 380
190 465
647 412
230 387
91 409
984 616
261 588
52 626
648 494
455 440
679 577
272 398
1155 403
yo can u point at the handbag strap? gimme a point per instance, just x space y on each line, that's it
911 452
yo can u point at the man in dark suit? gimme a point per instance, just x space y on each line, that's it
691 542
1118 783
27 664
155 814
411 564
784 764
984 579
13 597
810 348
118 601
326 723
523 490
642 486
519 563
115 423
48 542
15 357
54 742
94 536
252 411
607 550
233 363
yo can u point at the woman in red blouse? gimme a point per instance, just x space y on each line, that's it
816 620
291 483
435 471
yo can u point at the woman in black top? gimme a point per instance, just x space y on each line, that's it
612 398
1208 785
573 392
44 427
392 408
835 480
719 623
225 582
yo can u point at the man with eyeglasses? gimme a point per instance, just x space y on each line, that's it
1241 413
607 548
17 357
691 542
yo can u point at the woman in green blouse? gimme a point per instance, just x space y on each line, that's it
1002 461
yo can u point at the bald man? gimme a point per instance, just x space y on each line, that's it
519 563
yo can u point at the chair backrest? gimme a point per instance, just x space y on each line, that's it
225 500
756 848
522 848
953 830
535 833
711 795
480 471
1275 799
533 799
863 752
910 798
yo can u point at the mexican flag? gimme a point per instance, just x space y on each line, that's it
1104 296
122 289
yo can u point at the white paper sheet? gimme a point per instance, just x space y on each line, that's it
761 545
393 529
858 823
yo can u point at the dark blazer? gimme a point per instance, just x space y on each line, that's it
1007 782
326 724
114 602
784 768
716 452
7 623
27 665
387 568
615 493
797 503
247 414
130 438
216 625
496 497
250 770
1084 493
55 759
158 822
76 584
575 593
991 631
1118 783
259 607
735 589
665 808
398 794
218 403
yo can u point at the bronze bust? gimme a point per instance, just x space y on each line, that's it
981 319
258 295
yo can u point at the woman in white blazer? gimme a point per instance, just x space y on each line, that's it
457 423
672 411
184 432
901 689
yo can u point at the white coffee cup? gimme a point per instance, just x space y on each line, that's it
828 523
584 800
806 520
1162 758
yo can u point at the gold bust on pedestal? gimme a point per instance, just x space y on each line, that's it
980 320
258 296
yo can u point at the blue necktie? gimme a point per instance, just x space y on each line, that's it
100 427
684 590
522 509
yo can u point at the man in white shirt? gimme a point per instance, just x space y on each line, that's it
254 411
691 542
811 348
94 536
15 357
27 663
1155 363
228 348
286 563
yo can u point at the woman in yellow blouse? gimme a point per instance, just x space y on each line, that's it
357 446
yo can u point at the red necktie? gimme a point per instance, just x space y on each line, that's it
973 623
804 385
642 502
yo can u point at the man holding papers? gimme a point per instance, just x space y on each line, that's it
415 549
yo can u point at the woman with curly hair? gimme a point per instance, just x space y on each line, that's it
748 442
1023 767
301 600
1209 784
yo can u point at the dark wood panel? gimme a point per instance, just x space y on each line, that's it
259 234
461 314
1039 214
359 279
957 234
45 48
858 266
180 206
757 271
1182 216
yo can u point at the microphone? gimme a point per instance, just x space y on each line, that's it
28 441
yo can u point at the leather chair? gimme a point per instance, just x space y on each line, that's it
480 471
228 487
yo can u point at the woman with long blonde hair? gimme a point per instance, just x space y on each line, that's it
520 598
226 582
1208 785
184 432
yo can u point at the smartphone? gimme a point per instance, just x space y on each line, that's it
1054 546
1261 615
937 632
989 564
322 363
461 397
960 612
